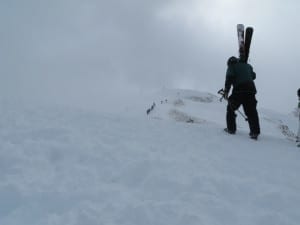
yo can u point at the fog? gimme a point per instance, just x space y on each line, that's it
106 53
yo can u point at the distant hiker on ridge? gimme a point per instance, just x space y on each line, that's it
240 75
298 134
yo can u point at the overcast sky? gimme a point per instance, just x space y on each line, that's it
95 50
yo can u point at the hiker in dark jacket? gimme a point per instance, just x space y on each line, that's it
240 75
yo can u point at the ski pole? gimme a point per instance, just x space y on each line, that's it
222 92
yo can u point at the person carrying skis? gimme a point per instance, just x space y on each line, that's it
241 76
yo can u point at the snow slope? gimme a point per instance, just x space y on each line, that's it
174 166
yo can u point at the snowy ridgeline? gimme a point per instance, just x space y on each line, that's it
174 166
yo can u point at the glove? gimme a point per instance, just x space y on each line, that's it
225 95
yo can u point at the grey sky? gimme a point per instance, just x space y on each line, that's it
72 50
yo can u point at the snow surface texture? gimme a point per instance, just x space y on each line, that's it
174 166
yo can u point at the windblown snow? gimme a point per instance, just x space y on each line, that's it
172 166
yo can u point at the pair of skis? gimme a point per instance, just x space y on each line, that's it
244 40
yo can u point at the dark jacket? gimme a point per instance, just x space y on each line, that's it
240 75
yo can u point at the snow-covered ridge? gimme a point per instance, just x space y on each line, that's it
197 107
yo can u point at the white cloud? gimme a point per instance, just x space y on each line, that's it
144 44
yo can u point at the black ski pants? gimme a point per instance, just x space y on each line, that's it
249 103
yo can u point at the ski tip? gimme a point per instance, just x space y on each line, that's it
250 29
